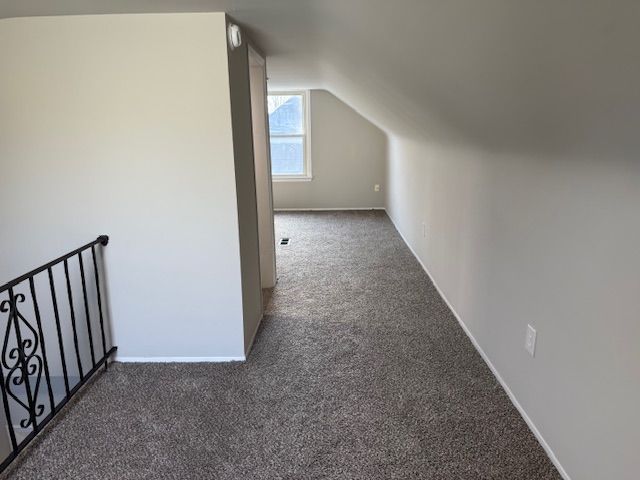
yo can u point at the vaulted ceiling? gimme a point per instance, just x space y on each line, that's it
504 74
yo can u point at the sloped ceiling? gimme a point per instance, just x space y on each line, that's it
503 74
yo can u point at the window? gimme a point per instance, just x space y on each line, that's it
288 130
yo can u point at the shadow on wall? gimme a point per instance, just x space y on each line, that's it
498 75
517 240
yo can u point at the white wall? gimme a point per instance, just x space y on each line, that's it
348 158
551 241
530 190
121 125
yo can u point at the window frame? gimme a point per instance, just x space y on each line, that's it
305 135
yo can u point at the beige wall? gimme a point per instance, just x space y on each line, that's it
121 125
348 158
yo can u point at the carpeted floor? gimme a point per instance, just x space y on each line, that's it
359 372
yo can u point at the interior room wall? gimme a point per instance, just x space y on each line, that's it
121 125
549 241
348 158
239 82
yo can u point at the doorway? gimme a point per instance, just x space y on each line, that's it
262 159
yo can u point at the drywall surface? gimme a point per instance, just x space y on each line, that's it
529 190
348 158
121 125
246 190
513 240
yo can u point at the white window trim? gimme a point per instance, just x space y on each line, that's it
306 137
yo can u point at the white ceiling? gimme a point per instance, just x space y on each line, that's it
506 74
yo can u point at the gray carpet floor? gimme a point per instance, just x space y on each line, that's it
359 371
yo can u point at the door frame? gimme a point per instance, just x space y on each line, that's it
262 160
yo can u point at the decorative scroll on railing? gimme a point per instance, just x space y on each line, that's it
36 378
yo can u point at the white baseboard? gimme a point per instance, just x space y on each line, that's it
324 209
493 369
179 359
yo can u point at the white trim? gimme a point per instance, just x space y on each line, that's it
325 209
306 137
179 359
493 369
256 56
270 272
290 178
307 134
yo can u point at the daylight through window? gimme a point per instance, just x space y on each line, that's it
288 131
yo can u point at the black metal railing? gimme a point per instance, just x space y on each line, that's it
42 330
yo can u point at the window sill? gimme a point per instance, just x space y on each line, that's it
282 178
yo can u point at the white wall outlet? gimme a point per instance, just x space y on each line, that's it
424 230
376 188
530 341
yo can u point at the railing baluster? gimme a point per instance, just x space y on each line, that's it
22 365
59 330
86 309
5 398
7 413
23 361
95 269
73 319
42 345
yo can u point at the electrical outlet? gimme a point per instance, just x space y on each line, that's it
376 188
530 341
424 230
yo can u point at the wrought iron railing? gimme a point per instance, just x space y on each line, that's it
37 377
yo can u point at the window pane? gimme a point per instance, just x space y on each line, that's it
287 156
285 114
